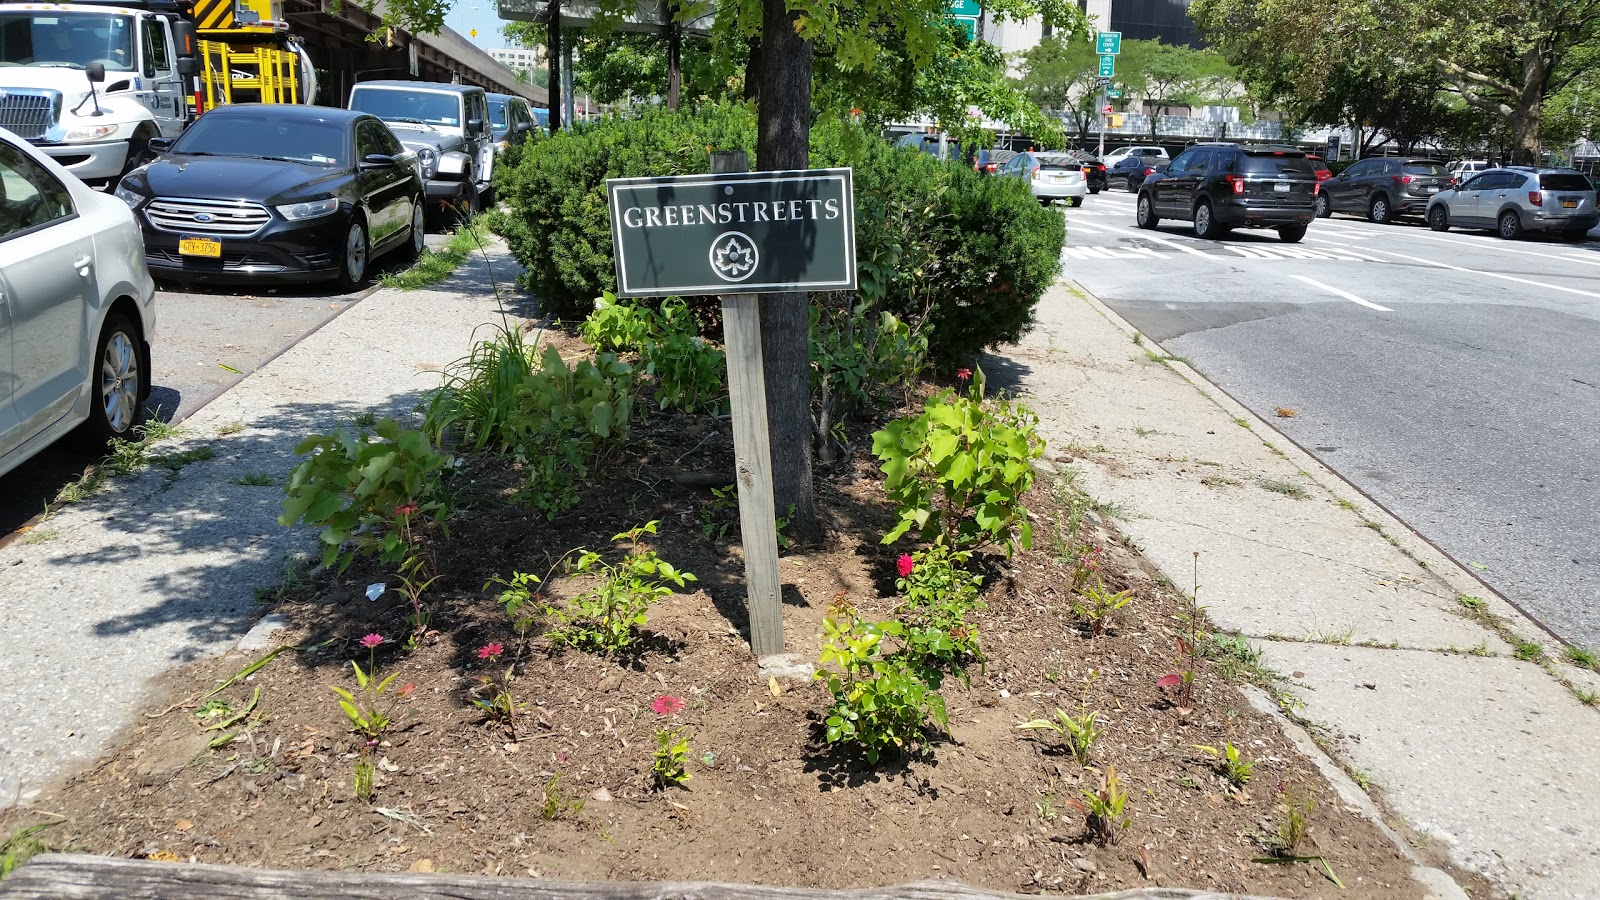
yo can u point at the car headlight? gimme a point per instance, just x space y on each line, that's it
132 198
310 209
89 133
429 161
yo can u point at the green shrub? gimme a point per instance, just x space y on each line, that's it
564 419
620 325
881 703
937 595
606 618
560 226
479 394
855 361
688 371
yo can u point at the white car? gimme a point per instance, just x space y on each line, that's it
1051 176
1157 153
1461 170
77 308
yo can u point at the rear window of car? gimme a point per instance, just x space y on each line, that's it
1424 168
1059 162
1278 165
1564 182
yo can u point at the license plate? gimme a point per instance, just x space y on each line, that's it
1430 190
1569 204
1281 187
200 247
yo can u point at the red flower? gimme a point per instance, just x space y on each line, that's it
490 651
964 374
666 705
905 565
407 509
371 641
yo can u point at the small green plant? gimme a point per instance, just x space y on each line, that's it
1105 808
720 514
1077 733
880 701
370 714
229 428
557 803
563 420
23 845
607 617
620 326
367 489
937 596
1046 808
686 368
492 694
1526 650
1296 822
1099 607
1587 698
364 777
672 745
1234 765
1288 489
958 471
436 265
1582 658
522 603
1182 684
255 479
855 361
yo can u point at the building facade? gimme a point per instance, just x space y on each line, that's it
516 58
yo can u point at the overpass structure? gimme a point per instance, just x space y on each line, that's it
338 37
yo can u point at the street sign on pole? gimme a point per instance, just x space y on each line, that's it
1108 65
1114 92
1108 43
1102 82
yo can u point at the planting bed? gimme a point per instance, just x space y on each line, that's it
768 802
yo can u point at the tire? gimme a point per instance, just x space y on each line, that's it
1132 189
1145 213
118 382
415 241
1324 206
1075 202
1439 218
1205 223
1380 211
1094 190
354 257
1045 201
1291 234
139 151
1510 225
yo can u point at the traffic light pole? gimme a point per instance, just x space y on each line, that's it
1101 109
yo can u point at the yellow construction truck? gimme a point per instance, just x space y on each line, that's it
91 83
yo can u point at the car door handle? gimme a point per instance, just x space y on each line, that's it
83 263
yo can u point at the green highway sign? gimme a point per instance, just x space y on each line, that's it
965 9
1114 92
968 24
1108 65
1108 43
746 233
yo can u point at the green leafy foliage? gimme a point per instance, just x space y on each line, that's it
565 417
857 360
671 755
519 598
1105 808
620 326
881 703
1234 765
479 394
1078 733
1098 607
607 617
957 472
366 488
687 370
370 714
937 596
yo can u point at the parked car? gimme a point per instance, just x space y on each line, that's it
511 120
254 192
1321 168
1517 199
1463 169
1051 176
1222 186
1131 171
988 162
929 144
1094 171
78 310
1112 158
447 126
1384 188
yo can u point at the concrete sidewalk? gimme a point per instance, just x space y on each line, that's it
1482 757
161 569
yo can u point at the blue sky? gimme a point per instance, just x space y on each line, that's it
479 14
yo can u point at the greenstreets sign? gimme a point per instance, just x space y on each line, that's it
740 233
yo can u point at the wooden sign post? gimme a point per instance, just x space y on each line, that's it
751 232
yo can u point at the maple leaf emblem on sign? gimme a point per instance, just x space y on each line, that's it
733 256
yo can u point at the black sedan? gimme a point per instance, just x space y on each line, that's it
276 193
1131 171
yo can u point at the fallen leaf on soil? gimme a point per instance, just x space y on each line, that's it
183 825
422 865
164 856
772 685
602 795
1144 862
1285 412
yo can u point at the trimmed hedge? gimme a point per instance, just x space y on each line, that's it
969 254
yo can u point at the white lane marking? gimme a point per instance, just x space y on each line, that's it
1093 229
1495 244
1109 253
1429 262
1345 294
1173 244
1343 249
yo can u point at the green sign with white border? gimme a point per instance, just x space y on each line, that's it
1108 65
1108 43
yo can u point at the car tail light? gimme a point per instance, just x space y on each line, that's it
1149 172
1316 187
1237 181
1404 179
1536 198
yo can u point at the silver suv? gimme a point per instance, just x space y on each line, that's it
1515 199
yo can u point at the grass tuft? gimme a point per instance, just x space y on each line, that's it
1285 488
434 266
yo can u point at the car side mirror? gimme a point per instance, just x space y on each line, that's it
96 72
188 66
475 126
377 161
159 145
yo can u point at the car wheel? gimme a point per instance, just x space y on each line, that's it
119 388
1324 208
139 151
1205 224
419 231
1132 188
353 265
1044 201
1380 212
1291 234
1145 213
1439 218
1510 225
1075 202
1094 190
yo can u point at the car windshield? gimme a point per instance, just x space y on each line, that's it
1561 181
421 107
265 136
1425 168
497 112
66 39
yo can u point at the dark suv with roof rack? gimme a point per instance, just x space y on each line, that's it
1223 186
1384 188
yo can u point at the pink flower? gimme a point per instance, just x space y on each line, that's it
371 641
905 564
490 651
667 705
407 509
964 374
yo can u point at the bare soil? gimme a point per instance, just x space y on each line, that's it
768 801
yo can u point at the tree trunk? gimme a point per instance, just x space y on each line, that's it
752 71
1526 117
674 58
783 142
553 57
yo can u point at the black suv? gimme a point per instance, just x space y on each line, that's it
1384 188
1224 186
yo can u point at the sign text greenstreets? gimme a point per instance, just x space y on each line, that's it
744 233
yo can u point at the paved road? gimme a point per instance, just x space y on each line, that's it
1453 377
206 339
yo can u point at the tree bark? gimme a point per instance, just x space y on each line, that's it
752 71
674 58
783 142
553 60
